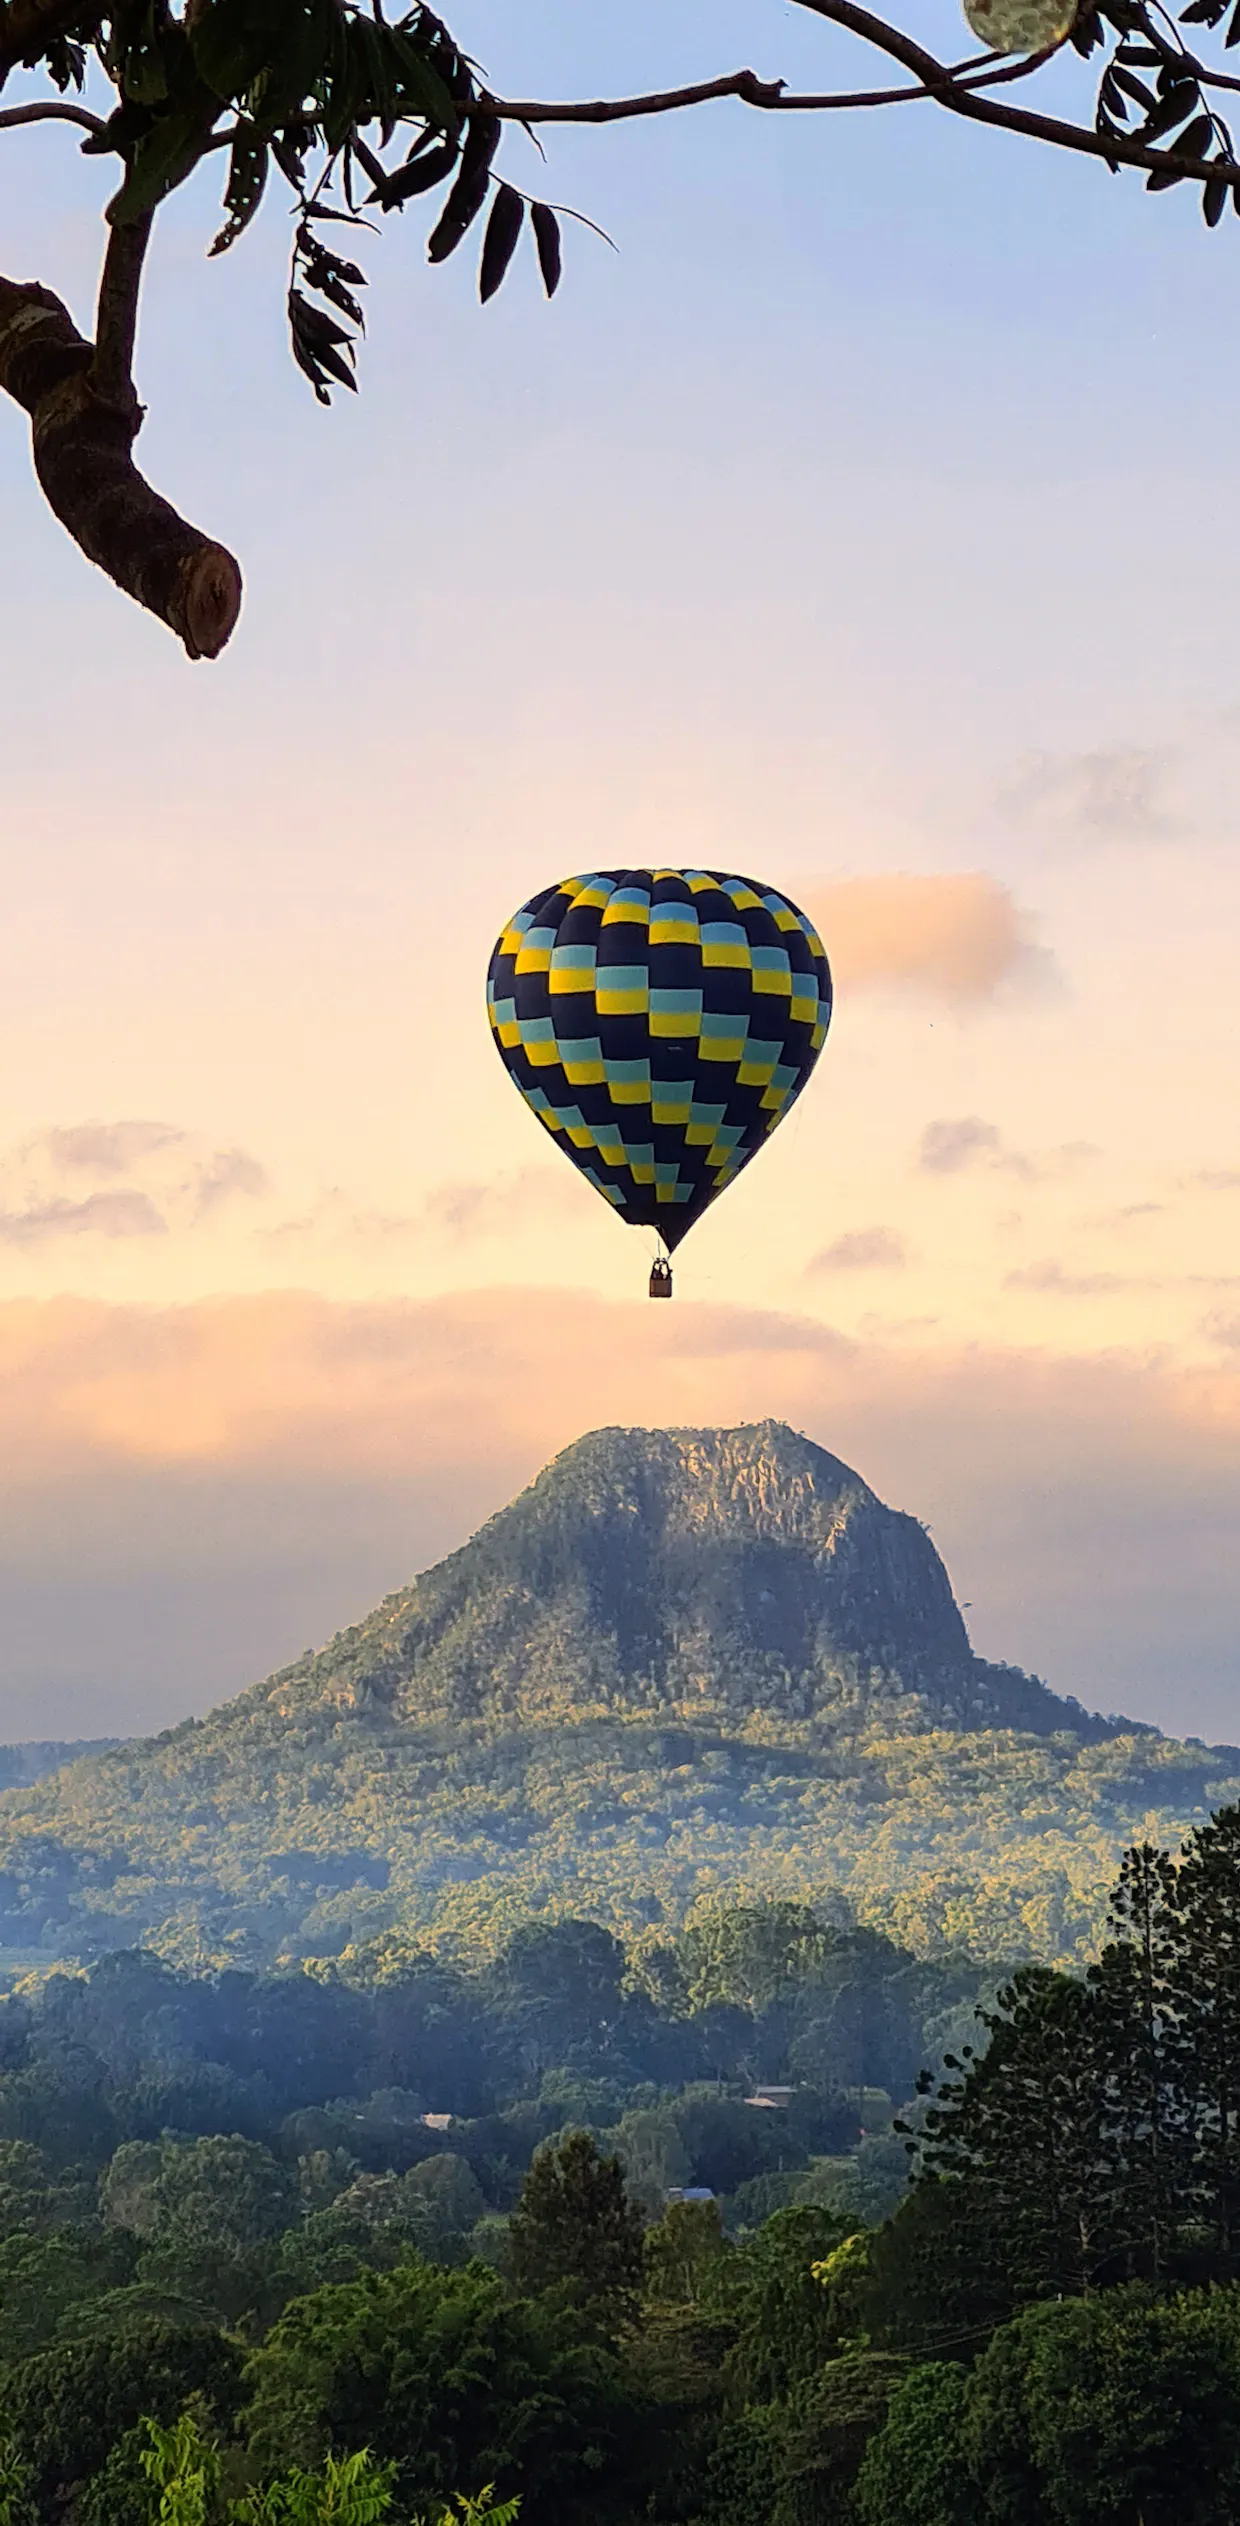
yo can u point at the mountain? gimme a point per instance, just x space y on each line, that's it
736 1579
681 1662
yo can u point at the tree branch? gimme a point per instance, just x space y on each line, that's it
772 96
116 314
45 111
979 108
962 88
84 417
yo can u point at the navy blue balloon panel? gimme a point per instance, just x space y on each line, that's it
660 1022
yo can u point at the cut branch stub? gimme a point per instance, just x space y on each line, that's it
82 442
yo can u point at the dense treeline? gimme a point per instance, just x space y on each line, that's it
243 2279
246 1841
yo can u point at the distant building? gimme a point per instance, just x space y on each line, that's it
689 2192
436 2122
773 2098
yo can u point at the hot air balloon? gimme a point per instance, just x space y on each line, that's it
660 1022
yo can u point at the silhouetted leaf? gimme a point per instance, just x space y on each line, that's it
312 324
247 175
66 62
1194 142
500 243
470 189
1174 106
1135 88
420 176
546 229
289 158
1214 199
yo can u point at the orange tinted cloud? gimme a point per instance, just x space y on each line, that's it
960 938
862 1250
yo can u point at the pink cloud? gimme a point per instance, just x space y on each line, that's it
960 938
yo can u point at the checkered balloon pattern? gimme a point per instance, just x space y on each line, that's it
660 1022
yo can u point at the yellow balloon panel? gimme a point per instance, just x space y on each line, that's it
1020 26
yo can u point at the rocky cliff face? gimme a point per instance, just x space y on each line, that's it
736 1578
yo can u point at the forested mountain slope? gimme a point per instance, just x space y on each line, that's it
34 1757
681 1661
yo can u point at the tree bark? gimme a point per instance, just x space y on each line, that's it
84 418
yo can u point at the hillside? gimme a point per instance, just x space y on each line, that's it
682 1661
34 1757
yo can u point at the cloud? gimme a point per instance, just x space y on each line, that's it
1225 1330
958 938
102 1148
224 1173
173 1180
1105 792
1054 1281
125 1213
237 1478
862 1250
1218 1179
947 1146
495 1206
955 1142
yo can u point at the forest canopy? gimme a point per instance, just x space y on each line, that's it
661 2252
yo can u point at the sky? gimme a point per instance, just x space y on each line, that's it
862 518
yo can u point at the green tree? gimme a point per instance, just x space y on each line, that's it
450 2378
1114 2408
574 2227
1029 2125
45 2278
752 1954
1139 2036
1206 1991
937 2280
914 2472
831 2424
341 105
781 2318
68 2408
681 2252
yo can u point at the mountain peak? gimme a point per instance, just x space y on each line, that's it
681 1657
742 1580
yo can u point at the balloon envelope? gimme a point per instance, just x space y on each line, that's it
660 1022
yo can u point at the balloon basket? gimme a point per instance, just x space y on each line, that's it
660 1279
